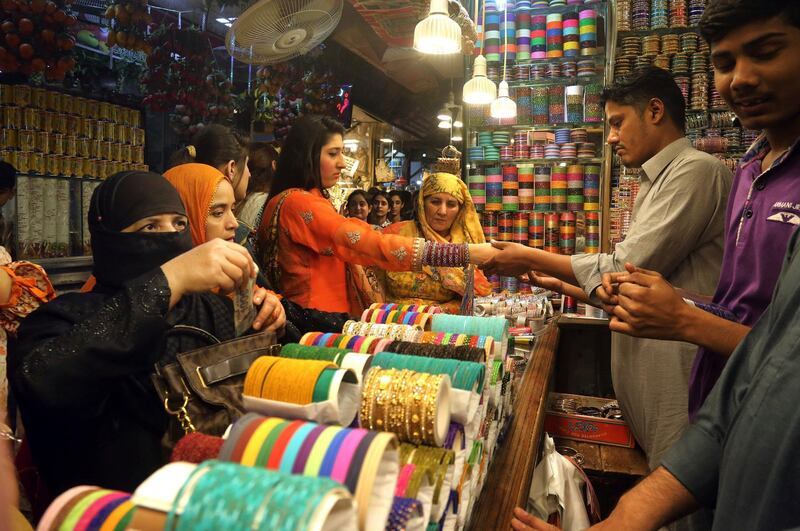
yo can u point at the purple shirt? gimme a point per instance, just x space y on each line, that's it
763 213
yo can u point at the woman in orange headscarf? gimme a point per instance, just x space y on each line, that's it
446 214
209 199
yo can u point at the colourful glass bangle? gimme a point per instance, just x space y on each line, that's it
332 454
354 470
117 515
234 446
406 471
267 444
105 512
79 508
256 441
322 340
319 450
293 446
281 443
345 455
323 386
97 506
299 464
126 518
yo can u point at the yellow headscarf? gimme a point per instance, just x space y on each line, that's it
467 225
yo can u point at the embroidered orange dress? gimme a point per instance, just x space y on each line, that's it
314 243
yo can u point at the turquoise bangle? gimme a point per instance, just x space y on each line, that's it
293 448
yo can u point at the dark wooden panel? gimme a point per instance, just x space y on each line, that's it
509 476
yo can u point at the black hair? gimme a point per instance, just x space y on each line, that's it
373 218
407 212
724 16
644 84
298 165
8 176
214 145
262 154
358 192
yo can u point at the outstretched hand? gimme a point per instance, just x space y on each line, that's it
510 260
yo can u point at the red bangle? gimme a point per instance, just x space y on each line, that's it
244 438
402 480
274 460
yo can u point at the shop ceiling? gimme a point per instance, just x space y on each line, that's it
372 44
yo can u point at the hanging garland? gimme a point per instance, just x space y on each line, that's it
36 38
129 20
288 90
182 80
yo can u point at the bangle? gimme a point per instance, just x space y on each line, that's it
332 454
119 517
319 450
344 459
299 464
256 443
293 447
275 455
323 386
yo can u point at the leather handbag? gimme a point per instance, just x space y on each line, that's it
202 389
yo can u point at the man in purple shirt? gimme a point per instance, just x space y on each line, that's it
755 70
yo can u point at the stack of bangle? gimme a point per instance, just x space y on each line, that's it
363 461
405 403
88 508
221 495
363 344
465 375
403 511
421 320
397 332
463 352
419 308
445 254
344 358
497 327
437 460
486 343
304 352
289 380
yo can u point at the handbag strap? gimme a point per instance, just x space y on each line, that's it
227 368
190 330
269 253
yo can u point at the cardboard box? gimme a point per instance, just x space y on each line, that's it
585 428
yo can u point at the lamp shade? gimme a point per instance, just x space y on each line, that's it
479 90
503 106
444 124
444 115
437 34
458 121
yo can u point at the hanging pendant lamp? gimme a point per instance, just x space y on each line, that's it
437 34
479 90
503 106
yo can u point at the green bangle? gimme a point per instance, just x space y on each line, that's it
77 511
266 449
323 386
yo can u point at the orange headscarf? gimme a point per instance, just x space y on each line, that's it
196 184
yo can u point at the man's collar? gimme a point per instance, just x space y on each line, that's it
653 167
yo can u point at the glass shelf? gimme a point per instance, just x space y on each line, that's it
659 32
594 127
583 80
592 160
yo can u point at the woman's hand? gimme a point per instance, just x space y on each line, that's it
480 253
217 264
271 316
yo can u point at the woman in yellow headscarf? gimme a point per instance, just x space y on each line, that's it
446 214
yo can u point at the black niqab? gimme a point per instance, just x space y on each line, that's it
120 201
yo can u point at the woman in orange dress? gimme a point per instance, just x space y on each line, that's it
446 214
306 245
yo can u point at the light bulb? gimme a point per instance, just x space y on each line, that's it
437 34
503 106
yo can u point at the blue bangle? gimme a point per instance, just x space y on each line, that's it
333 451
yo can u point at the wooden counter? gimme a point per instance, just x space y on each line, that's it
509 477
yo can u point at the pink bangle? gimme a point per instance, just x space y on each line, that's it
402 481
345 455
97 506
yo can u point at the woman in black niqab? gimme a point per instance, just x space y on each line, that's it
80 368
